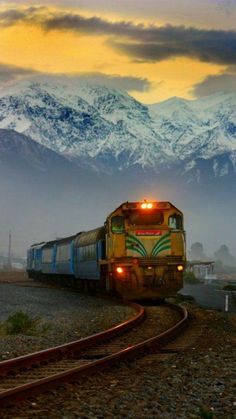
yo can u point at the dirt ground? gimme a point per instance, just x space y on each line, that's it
14 276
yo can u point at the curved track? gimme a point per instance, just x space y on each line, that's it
34 373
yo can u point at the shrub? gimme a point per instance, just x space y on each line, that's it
205 413
21 322
190 278
229 287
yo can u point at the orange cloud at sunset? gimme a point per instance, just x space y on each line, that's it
172 59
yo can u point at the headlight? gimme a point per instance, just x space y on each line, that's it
147 205
119 270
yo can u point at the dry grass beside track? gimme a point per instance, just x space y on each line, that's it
14 276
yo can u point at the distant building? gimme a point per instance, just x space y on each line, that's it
203 270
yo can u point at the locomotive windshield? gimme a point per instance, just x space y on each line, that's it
118 224
137 217
175 222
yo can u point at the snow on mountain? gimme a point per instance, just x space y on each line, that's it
201 128
83 122
109 130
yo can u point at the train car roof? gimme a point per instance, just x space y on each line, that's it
90 237
61 240
41 244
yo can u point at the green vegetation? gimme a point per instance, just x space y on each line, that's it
190 278
229 287
22 323
205 413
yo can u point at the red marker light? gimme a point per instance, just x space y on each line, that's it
119 270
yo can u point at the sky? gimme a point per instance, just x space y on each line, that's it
154 49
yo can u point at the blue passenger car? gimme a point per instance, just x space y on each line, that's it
48 257
64 257
89 248
34 257
75 256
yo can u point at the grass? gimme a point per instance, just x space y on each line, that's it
190 278
21 323
13 276
205 413
229 287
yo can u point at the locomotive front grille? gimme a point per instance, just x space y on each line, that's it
151 261
167 260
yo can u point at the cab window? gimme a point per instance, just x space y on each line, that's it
118 224
175 222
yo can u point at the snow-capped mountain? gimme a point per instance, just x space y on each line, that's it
108 130
83 122
201 128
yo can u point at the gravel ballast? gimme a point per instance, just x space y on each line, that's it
67 315
198 382
195 383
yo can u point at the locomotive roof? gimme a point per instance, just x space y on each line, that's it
165 204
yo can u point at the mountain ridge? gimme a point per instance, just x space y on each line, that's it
107 130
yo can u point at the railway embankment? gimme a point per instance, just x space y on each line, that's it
58 316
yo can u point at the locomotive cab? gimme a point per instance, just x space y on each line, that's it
145 249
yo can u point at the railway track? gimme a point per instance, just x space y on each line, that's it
38 372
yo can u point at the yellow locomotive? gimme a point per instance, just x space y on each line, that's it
138 253
145 250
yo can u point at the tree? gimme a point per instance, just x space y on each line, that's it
196 252
224 255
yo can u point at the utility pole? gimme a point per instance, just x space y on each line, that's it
9 252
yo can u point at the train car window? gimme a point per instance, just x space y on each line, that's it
118 224
146 218
88 252
175 222
47 255
63 252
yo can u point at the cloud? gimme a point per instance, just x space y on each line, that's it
225 82
10 73
170 42
152 43
11 16
138 41
227 6
126 83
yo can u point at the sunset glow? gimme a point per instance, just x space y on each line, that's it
52 38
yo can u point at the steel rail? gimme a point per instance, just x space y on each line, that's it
57 352
72 374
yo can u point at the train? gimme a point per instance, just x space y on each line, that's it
139 253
